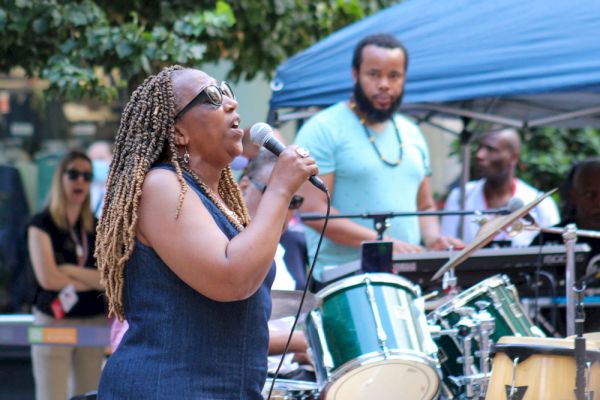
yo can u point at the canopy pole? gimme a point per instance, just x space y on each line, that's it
465 151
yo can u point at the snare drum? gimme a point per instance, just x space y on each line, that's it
501 300
287 389
370 340
538 368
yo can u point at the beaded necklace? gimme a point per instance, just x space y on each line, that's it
229 214
372 138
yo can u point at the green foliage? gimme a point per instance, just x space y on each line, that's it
549 153
95 47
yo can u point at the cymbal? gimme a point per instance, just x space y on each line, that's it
286 303
487 232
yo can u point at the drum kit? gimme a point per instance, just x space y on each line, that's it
374 336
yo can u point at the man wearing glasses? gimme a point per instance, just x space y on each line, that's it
290 262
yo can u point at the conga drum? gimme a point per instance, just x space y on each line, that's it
532 368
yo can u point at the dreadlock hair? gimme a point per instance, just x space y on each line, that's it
146 136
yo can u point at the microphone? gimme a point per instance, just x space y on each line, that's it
261 134
514 204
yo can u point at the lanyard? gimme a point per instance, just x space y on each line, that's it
81 247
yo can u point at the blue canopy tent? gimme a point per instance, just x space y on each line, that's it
513 62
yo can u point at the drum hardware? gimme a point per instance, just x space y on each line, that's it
582 369
381 336
466 331
475 325
324 370
287 389
436 331
487 324
514 392
450 283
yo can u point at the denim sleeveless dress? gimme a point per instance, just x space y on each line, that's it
182 345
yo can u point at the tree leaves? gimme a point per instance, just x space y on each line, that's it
77 44
549 153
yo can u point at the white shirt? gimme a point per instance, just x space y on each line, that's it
283 281
545 214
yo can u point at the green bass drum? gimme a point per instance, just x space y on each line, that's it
369 340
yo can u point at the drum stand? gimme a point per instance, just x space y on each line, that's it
477 325
582 368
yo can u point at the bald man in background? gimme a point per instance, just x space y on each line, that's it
496 159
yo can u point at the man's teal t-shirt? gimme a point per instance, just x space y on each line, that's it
363 182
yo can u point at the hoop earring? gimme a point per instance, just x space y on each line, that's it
186 156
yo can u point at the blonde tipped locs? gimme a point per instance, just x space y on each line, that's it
146 135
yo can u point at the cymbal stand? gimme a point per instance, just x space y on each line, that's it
570 238
582 370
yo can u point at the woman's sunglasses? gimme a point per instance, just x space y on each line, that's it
212 94
74 174
295 203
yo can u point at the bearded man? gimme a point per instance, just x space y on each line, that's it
372 159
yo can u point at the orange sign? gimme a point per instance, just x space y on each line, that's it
60 335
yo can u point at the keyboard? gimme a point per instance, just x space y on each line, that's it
420 267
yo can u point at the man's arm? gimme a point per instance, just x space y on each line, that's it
342 230
430 227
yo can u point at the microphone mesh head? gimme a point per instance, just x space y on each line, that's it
260 133
514 204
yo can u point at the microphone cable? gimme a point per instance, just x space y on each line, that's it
308 281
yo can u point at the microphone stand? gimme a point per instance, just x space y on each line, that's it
381 223
581 386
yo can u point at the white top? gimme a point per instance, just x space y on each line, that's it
545 214
283 281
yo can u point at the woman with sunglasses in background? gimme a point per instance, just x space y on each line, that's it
181 260
61 241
